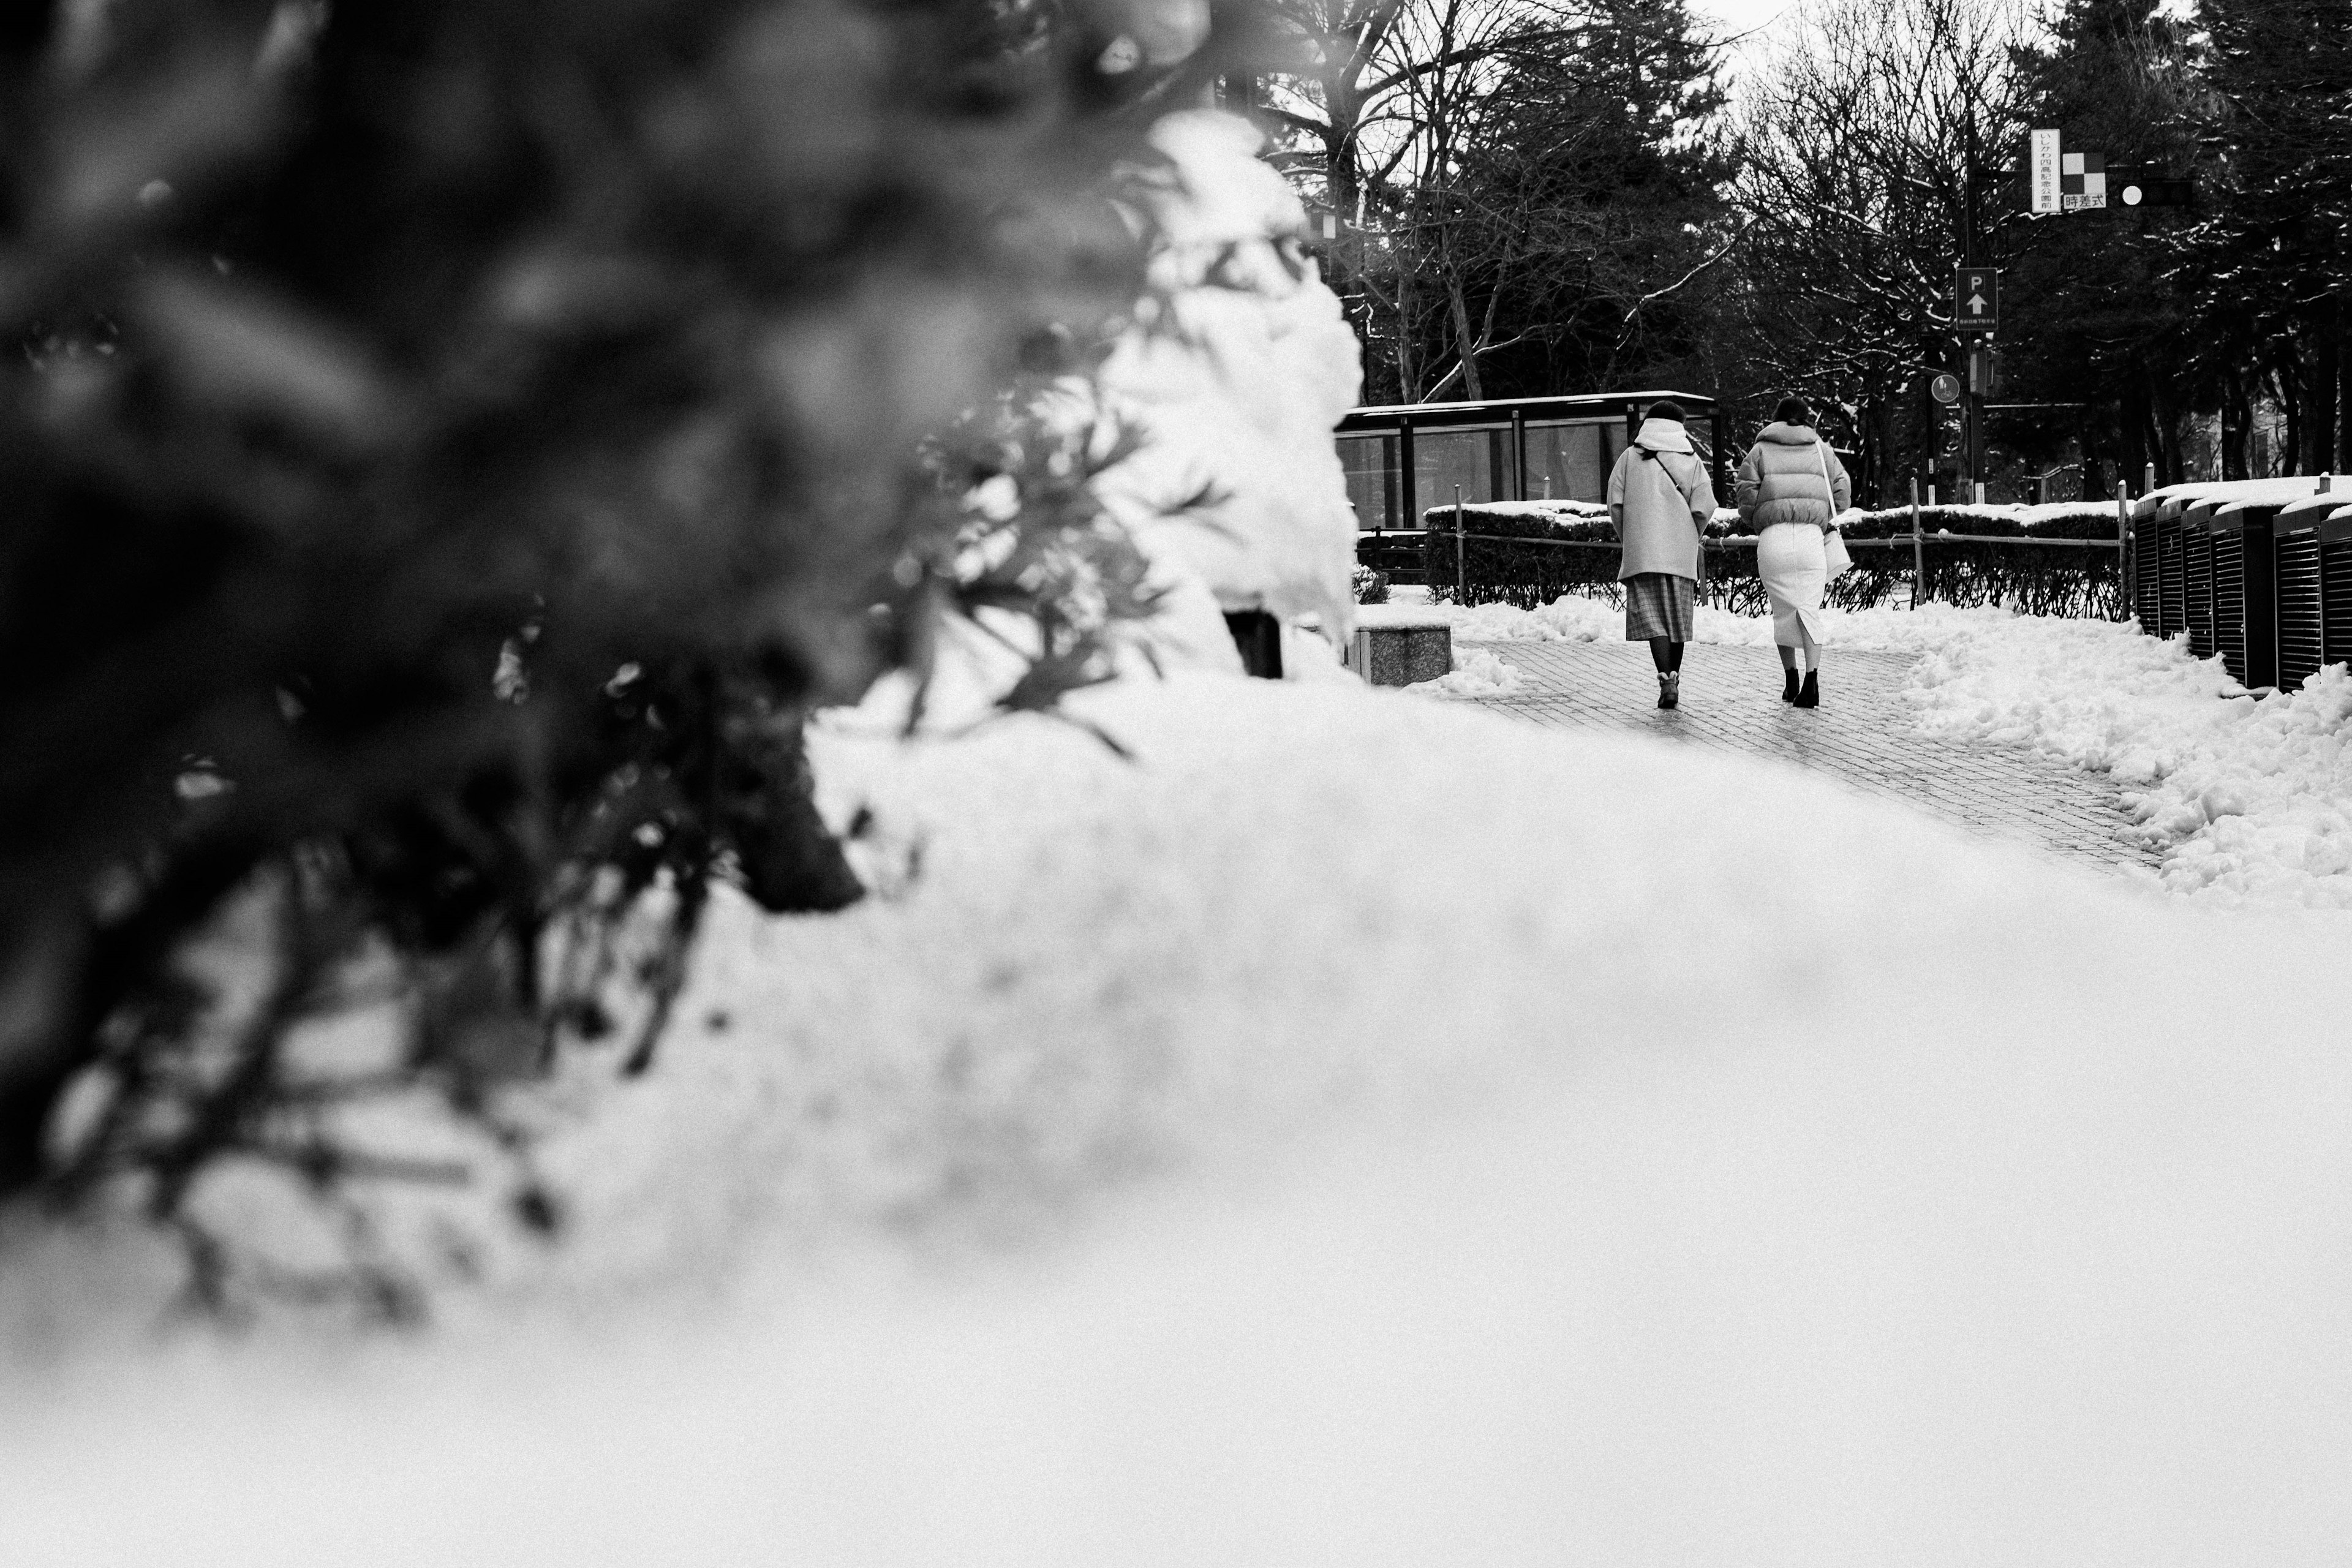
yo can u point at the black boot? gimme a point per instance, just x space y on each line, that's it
1670 688
1808 695
1789 686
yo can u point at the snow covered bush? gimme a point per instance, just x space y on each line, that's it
452 446
1490 568
2031 579
1372 588
1237 365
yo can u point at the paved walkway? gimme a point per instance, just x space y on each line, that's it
1865 734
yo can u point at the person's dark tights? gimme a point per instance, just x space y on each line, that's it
1666 654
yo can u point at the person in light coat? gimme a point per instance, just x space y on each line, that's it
1792 487
1659 499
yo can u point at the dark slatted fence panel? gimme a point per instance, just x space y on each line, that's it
2229 603
2336 601
2299 628
2197 591
2144 578
2169 611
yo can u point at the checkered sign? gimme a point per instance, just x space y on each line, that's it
2083 180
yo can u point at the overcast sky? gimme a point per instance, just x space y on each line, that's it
1740 15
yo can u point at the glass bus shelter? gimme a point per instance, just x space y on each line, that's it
1404 459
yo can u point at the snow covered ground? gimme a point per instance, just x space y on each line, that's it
1358 1130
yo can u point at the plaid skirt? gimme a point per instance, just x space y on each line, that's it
1660 605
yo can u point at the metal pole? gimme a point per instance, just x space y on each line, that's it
1918 551
1461 578
2123 544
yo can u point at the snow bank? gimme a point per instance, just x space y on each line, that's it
2247 801
2251 800
1358 1131
1475 673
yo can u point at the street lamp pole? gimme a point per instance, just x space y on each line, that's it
1973 440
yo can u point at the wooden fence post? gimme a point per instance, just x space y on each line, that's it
1918 551
1461 577
2123 557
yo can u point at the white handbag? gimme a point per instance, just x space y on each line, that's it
1833 550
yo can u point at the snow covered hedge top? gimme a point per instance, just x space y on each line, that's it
1589 521
2062 520
1544 519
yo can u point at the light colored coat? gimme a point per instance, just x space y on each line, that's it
1780 479
1659 496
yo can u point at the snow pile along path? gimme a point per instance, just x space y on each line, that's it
2250 799
1358 1130
1477 673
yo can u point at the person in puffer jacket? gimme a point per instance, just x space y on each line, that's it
1790 487
1659 498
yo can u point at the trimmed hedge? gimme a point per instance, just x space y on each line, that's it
2036 579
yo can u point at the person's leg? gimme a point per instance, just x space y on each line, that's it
1788 656
1662 651
1809 693
1674 656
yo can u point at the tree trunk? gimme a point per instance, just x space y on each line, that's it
2237 424
1408 383
2167 437
2343 391
2317 361
2131 429
1461 339
2287 383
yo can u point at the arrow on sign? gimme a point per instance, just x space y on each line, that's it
1976 304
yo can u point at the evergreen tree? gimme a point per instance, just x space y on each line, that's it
449 446
2271 257
1561 244
2096 312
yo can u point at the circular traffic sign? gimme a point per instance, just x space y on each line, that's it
1945 388
2131 196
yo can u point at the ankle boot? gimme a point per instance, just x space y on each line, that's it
1670 688
1789 686
1808 695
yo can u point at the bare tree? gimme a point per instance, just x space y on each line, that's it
1856 144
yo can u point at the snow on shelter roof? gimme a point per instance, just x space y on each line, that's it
2317 508
1582 405
2260 492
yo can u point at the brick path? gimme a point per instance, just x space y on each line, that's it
1864 734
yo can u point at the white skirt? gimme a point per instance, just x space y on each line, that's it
1788 558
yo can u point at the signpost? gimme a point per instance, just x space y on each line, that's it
2045 171
2060 181
1975 299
